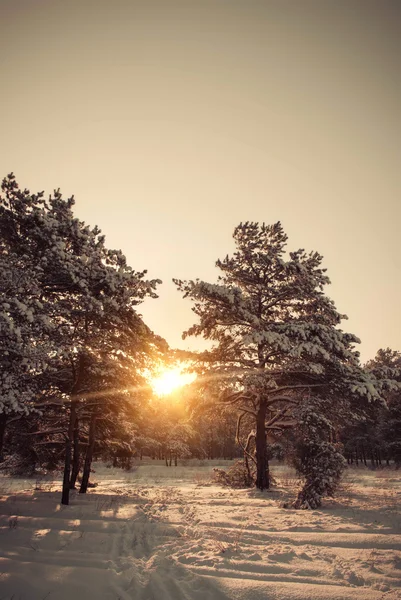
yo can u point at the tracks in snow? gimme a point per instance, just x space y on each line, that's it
189 544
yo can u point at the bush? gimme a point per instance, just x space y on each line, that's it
322 467
317 459
276 451
237 476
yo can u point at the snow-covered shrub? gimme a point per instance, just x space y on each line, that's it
236 476
319 460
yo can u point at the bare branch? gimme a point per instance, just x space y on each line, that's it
247 410
278 416
282 399
46 432
250 436
298 386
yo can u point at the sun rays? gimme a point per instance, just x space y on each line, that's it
170 379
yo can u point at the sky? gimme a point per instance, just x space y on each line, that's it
173 121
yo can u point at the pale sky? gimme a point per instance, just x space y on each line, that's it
171 122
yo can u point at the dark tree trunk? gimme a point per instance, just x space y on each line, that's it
89 455
372 458
3 421
76 463
65 497
262 463
364 456
76 388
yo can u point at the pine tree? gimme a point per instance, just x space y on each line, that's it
94 339
25 340
276 336
385 430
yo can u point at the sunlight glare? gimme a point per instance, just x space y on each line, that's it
170 380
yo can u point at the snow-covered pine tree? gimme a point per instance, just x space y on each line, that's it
386 367
374 435
317 455
276 336
25 327
89 295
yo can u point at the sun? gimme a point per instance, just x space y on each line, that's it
170 380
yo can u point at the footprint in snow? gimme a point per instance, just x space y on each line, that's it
282 556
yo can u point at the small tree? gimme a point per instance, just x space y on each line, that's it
276 336
317 457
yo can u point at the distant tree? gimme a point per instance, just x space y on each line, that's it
213 424
385 424
276 341
169 428
374 435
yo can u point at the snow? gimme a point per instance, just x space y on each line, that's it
166 533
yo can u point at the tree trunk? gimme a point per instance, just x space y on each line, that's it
372 458
65 497
249 478
3 421
76 388
262 463
89 455
76 463
364 456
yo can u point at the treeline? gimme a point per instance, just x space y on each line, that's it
375 440
183 428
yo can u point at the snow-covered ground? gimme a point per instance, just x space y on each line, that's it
164 533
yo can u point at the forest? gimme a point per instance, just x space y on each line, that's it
281 379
